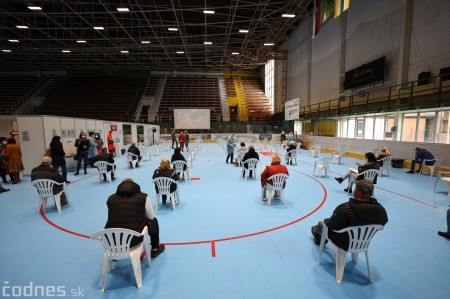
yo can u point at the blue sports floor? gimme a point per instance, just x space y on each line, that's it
258 251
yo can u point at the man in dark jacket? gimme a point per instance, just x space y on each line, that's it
421 154
45 171
134 150
361 210
107 157
58 154
251 154
131 209
164 170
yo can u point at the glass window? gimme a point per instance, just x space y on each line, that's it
379 128
269 81
360 128
368 128
344 128
351 128
391 129
443 129
409 127
426 127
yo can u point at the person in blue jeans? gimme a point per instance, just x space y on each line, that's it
421 154
447 233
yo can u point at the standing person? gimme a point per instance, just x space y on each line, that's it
421 154
45 171
134 150
13 157
181 140
132 209
274 168
58 160
110 140
3 160
92 149
82 145
354 174
186 140
360 210
164 170
98 142
282 137
107 157
290 137
230 148
174 139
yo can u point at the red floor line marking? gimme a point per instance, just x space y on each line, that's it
41 211
213 249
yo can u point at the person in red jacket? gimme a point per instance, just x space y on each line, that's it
110 140
181 140
269 171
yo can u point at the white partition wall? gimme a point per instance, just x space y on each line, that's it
99 128
52 127
134 137
31 139
80 126
68 135
90 126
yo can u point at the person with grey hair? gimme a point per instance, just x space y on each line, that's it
46 171
360 210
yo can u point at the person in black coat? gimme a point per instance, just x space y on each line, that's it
178 156
82 144
251 154
360 210
421 154
107 157
58 160
164 170
134 150
292 146
45 171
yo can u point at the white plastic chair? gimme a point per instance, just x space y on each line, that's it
385 162
277 184
116 242
155 150
339 155
251 166
102 167
146 154
315 150
130 157
179 166
322 164
163 184
359 241
240 156
45 190
437 165
369 174
444 176
291 156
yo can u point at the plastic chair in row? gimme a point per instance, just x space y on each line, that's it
323 165
445 177
385 162
437 164
132 159
251 166
179 166
278 181
45 190
291 156
163 184
369 174
102 167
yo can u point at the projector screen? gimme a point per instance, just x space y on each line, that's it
192 118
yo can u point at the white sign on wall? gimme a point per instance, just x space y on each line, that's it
291 109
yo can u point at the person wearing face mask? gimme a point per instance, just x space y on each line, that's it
58 161
82 144
99 142
92 149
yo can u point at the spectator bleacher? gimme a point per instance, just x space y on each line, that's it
190 93
108 98
15 90
258 104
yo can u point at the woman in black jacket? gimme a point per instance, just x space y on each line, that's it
178 156
251 154
164 170
57 152
353 174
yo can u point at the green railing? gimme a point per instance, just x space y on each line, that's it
407 96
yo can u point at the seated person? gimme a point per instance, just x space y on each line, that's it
240 153
269 171
178 156
107 157
360 210
134 150
447 233
383 154
131 209
421 154
353 174
251 154
292 146
46 171
164 170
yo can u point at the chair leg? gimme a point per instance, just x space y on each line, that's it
104 270
368 265
57 198
340 264
136 263
269 197
157 202
354 257
322 242
172 196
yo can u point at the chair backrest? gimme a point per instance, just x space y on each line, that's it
325 161
102 166
130 156
116 241
370 174
360 236
179 165
293 153
251 163
438 162
385 160
278 180
163 184
241 155
45 187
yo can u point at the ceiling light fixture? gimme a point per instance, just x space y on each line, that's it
180 52
13 40
123 9
145 42
6 51
22 27
234 53
81 41
124 52
65 51
209 12
35 7
207 43
288 15
268 44
98 28
243 31
173 29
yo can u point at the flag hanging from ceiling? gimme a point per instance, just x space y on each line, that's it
340 6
